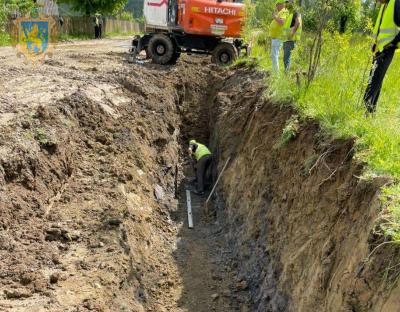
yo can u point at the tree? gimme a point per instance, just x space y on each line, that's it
16 7
90 7
135 6
319 17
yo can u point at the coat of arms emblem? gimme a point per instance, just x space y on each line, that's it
34 38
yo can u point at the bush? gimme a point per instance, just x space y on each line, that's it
126 16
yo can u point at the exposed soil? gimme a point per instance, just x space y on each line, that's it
93 175
302 219
89 151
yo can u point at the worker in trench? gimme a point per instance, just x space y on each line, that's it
387 39
202 158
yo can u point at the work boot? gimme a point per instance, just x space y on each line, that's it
199 193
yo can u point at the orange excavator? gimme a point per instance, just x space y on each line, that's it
172 27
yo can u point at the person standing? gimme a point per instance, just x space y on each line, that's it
387 39
96 26
292 30
276 31
202 158
101 26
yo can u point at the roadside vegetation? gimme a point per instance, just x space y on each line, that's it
65 37
4 39
126 10
335 91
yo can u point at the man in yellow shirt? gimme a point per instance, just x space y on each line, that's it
276 32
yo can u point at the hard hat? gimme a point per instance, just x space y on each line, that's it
191 142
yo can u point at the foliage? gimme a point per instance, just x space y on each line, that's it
66 37
10 7
390 216
315 13
120 34
90 7
289 132
5 39
136 7
125 16
41 136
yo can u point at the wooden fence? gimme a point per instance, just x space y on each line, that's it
84 26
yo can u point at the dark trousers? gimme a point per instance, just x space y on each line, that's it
97 32
288 47
201 169
380 65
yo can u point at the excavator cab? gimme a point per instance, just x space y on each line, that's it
173 13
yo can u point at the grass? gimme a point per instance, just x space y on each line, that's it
5 39
335 99
65 37
120 34
289 132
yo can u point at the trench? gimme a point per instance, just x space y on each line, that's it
94 206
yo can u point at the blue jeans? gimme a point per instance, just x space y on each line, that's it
275 51
288 47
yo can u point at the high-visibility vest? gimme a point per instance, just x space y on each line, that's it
385 28
287 30
201 151
276 29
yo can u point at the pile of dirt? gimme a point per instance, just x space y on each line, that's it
89 175
301 219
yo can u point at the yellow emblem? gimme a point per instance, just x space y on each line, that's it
34 38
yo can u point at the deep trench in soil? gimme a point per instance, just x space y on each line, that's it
93 205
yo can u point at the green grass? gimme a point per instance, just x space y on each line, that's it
120 34
335 100
5 39
64 37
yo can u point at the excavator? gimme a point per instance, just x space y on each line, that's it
173 27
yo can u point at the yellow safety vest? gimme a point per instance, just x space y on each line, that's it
385 28
275 29
201 151
287 30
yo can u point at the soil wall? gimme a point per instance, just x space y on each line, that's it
300 217
88 184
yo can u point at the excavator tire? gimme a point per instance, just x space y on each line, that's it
161 49
224 54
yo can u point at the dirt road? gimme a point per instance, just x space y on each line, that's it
89 220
